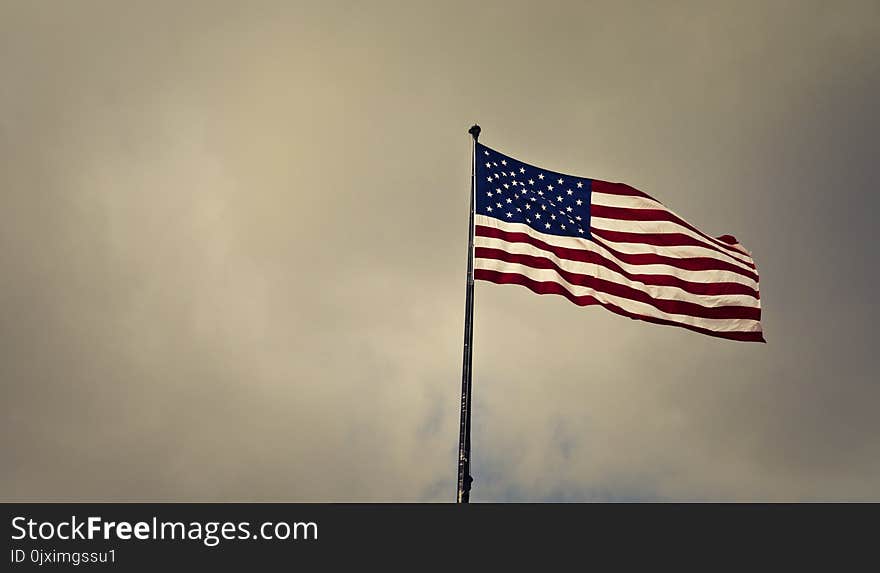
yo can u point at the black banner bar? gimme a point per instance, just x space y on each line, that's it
142 536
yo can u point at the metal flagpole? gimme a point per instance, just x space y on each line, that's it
464 436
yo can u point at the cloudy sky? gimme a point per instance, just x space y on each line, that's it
233 238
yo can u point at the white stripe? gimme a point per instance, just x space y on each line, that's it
636 307
625 201
634 202
700 276
578 243
603 273
661 227
738 246
676 252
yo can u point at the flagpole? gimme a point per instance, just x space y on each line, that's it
464 437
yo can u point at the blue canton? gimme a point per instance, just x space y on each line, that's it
517 192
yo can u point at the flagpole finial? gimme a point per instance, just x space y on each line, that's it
475 131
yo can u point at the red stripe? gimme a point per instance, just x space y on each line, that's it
669 306
624 214
660 240
626 190
688 264
700 289
540 287
731 240
617 189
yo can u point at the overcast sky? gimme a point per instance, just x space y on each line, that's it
233 239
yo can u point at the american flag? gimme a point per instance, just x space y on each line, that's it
595 242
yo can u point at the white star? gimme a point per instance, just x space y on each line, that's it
528 220
553 217
509 214
486 152
489 209
549 187
569 191
509 200
541 193
578 217
531 181
489 179
528 206
495 164
488 193
488 165
580 184
579 202
563 227
559 181
506 186
559 198
522 169
497 176
503 162
518 210
498 205
568 209
540 175
543 207
581 231
547 225
537 216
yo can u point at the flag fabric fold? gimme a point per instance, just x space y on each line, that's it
608 244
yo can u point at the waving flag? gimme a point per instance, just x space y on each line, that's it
595 242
